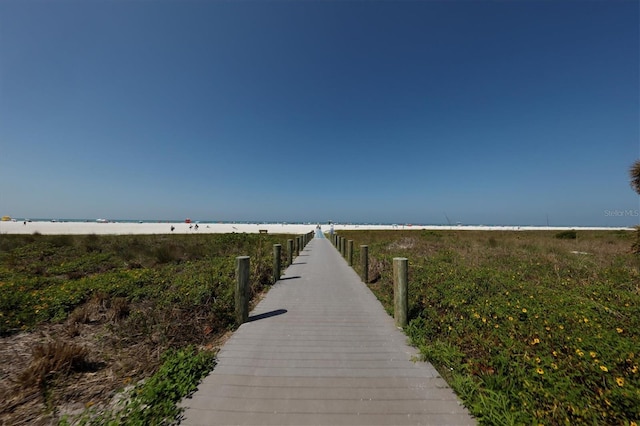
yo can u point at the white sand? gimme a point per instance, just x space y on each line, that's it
114 228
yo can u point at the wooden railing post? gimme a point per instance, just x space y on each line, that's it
364 263
350 252
277 250
289 252
400 291
242 289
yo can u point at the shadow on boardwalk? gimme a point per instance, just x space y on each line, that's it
267 315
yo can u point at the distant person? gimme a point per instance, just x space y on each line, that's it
196 227
172 228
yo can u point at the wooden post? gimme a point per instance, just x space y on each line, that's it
242 289
277 249
289 252
364 263
350 252
400 293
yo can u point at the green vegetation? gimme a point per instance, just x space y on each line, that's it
83 316
526 327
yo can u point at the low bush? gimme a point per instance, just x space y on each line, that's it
566 235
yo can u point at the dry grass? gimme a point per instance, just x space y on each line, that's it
53 359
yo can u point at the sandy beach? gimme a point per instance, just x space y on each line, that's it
128 228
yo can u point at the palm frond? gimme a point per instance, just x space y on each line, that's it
634 173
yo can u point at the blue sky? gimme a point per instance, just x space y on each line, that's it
485 112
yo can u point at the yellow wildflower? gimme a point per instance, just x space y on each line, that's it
593 354
524 310
619 330
540 371
604 368
579 352
535 341
620 381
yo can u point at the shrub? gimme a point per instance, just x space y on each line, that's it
566 235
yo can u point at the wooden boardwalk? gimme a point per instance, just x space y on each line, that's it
320 350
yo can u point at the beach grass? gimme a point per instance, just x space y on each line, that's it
527 327
82 316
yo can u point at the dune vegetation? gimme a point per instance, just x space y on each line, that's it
527 327
84 317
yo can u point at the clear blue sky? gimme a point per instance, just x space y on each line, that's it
488 112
